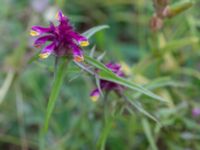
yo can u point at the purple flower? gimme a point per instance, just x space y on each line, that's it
108 85
196 112
62 39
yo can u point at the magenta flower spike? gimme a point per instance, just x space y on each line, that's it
108 85
62 39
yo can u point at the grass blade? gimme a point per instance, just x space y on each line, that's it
138 106
147 131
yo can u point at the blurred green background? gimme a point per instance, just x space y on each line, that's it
166 62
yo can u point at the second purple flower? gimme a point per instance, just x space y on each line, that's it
108 86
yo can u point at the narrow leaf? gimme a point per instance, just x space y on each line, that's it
97 64
107 74
98 85
93 30
179 7
92 51
138 106
147 130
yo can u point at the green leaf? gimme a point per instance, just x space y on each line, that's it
6 85
130 85
189 72
138 106
98 85
179 7
177 44
159 83
97 64
147 131
107 74
93 30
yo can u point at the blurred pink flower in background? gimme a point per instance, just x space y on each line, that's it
196 112
39 5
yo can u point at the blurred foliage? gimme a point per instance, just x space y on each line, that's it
165 62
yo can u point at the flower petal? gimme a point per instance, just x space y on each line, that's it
38 30
42 40
64 21
82 41
52 27
77 53
59 15
95 94
114 67
34 33
44 55
78 58
47 50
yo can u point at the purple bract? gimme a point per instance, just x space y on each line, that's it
108 85
62 39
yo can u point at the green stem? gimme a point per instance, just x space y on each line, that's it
57 83
108 122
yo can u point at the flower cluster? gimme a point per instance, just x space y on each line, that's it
62 39
108 85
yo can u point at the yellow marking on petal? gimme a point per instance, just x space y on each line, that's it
57 16
84 43
44 55
94 98
37 46
34 33
78 58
